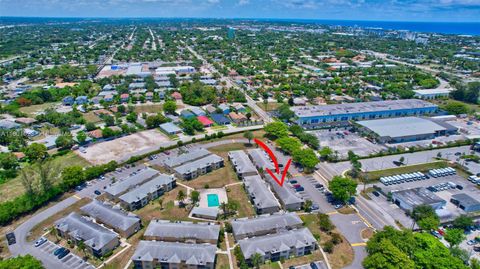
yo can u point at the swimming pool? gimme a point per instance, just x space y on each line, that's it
212 200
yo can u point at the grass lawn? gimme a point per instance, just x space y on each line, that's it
315 256
270 265
45 225
442 103
222 262
215 179
33 109
237 193
121 260
342 254
270 106
13 187
91 117
169 211
375 175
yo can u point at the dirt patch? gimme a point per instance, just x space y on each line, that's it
168 210
346 210
222 262
121 149
367 233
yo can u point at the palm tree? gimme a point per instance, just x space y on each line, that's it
180 196
82 247
160 203
224 208
248 135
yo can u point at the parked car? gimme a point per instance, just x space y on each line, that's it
471 242
476 248
58 251
299 189
11 238
313 265
460 187
40 241
376 193
318 186
314 207
63 254
97 192
293 181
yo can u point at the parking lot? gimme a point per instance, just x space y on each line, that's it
70 261
469 247
449 188
313 265
344 141
312 193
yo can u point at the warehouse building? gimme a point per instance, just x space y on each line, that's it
465 202
265 224
325 115
242 164
185 232
279 246
97 239
157 254
140 196
429 94
122 222
411 198
260 195
407 129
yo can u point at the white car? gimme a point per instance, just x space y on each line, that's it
40 241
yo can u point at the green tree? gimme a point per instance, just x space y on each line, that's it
276 129
285 113
64 141
170 107
256 260
248 135
342 188
180 196
454 236
90 126
307 206
306 158
21 262
132 117
195 196
8 161
72 176
456 108
325 223
388 256
462 222
81 137
36 151
326 153
425 217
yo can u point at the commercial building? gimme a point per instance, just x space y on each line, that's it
122 222
157 254
406 129
265 224
123 185
411 198
138 197
318 116
260 195
242 164
185 232
260 159
429 94
465 202
97 239
279 246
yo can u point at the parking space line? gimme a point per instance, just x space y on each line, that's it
76 196
358 244
331 213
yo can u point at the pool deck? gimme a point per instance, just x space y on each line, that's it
220 192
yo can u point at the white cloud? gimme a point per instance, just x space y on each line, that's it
243 2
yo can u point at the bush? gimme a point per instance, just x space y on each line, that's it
328 247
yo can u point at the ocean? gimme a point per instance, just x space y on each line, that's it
459 28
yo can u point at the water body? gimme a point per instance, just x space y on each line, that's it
463 28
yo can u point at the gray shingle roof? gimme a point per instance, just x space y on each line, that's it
241 161
265 223
194 165
123 185
286 194
146 188
93 235
192 254
258 189
113 217
186 157
183 230
276 242
170 127
260 159
205 211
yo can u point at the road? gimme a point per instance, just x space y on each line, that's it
232 84
154 44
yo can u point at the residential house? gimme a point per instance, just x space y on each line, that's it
158 254
8 125
80 100
141 195
124 97
197 111
68 101
210 109
239 108
149 96
108 98
224 108
265 224
126 224
237 117
177 96
279 246
96 100
186 114
220 119
170 128
206 122
182 231
242 164
97 239
260 195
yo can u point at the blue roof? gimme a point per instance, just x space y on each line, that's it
219 118
187 114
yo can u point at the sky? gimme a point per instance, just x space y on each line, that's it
389 10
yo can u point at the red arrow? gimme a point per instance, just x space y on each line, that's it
275 162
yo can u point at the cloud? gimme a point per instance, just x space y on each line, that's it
243 2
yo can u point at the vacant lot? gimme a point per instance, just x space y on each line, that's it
33 110
13 187
121 149
269 106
